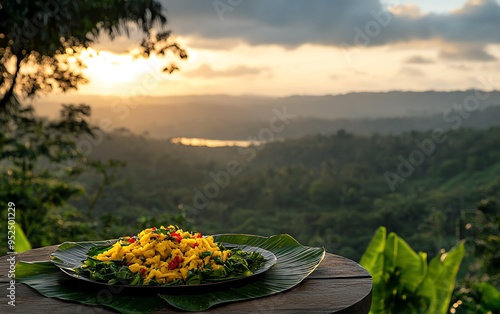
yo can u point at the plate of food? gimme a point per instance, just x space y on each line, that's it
165 257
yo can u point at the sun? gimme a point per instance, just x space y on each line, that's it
108 67
112 73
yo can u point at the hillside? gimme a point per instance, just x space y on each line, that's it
231 117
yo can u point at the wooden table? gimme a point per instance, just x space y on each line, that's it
338 285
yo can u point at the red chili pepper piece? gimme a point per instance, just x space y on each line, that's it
177 237
195 245
175 262
154 228
131 240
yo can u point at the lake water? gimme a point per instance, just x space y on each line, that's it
192 141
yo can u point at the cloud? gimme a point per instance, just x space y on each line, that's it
292 23
461 67
409 10
288 23
407 71
466 51
206 71
419 60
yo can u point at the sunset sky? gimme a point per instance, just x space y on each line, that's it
280 47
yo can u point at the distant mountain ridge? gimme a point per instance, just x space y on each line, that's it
238 117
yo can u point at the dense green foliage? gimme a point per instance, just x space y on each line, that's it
37 158
478 290
325 190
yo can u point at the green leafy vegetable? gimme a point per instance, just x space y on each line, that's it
239 264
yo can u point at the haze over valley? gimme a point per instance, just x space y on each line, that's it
240 117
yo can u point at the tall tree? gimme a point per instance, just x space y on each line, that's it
40 45
40 40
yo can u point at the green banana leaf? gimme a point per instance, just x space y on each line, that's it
402 280
372 258
294 263
413 264
22 243
373 261
441 275
71 254
391 253
50 281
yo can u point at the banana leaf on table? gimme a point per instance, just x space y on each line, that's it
294 263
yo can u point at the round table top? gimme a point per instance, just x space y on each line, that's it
338 285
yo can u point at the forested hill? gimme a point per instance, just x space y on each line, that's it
331 190
446 120
237 117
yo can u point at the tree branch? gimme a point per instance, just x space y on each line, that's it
10 93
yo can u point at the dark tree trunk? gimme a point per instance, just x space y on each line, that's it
10 92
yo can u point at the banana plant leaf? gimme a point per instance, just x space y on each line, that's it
22 243
402 280
373 260
440 277
50 281
294 263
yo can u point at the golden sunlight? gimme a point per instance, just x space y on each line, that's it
108 67
111 73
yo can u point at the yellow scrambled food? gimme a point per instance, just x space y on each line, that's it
166 254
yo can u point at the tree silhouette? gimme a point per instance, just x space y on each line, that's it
40 45
40 41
